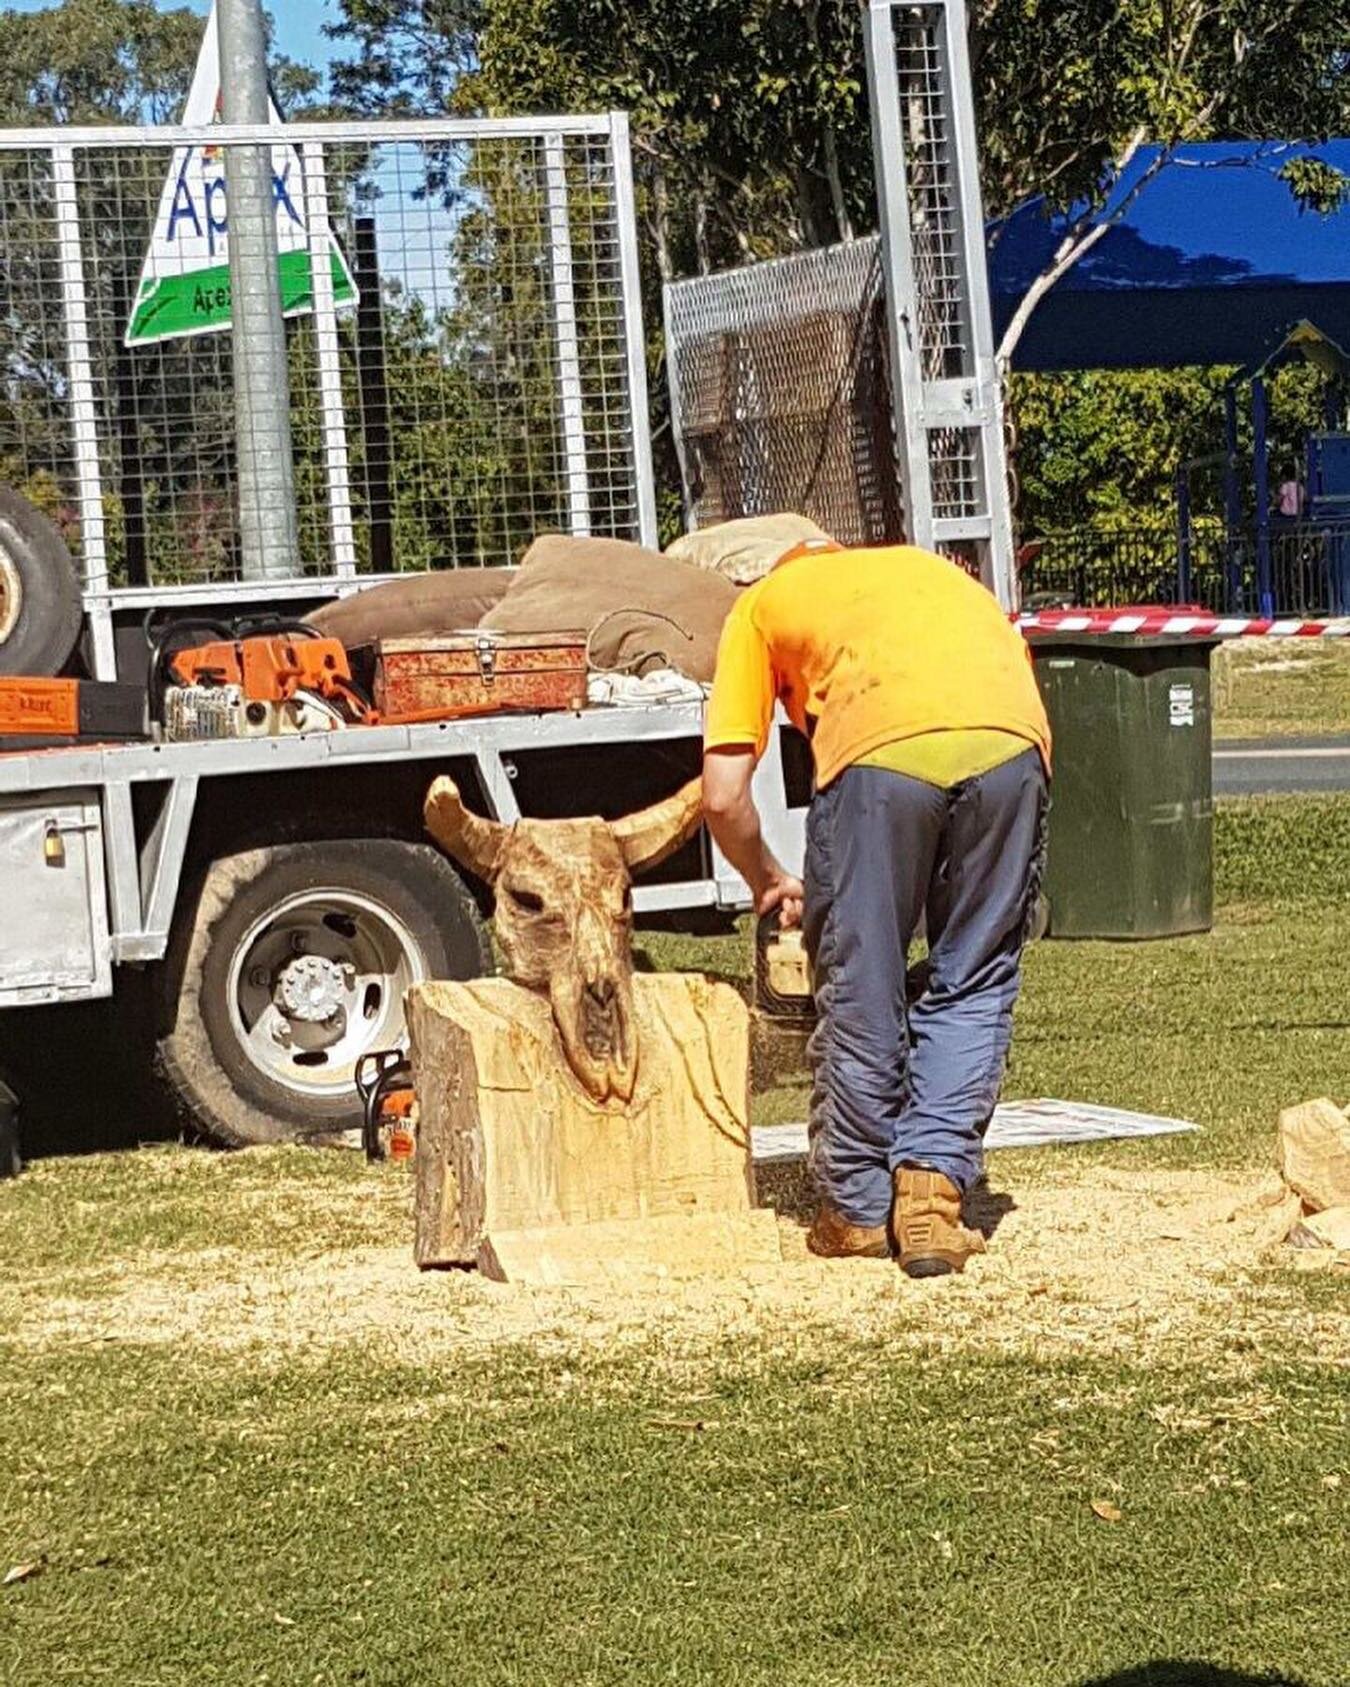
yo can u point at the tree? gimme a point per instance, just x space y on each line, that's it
111 61
412 56
751 134
747 118
1070 93
166 474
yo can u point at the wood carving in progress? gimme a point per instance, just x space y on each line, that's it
578 1123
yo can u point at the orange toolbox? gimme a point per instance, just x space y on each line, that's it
443 676
57 710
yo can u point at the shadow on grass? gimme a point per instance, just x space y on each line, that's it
83 1076
984 1209
1186 1672
786 1188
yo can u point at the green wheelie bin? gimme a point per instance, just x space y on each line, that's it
1131 841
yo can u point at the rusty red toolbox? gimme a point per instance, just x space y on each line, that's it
442 676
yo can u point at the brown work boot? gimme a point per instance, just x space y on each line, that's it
831 1236
929 1234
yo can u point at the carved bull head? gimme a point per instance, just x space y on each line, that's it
564 914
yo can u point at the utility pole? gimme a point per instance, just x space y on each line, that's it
268 530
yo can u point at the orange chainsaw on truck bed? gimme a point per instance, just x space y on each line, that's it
251 680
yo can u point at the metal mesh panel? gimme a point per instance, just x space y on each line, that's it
954 458
460 382
942 285
780 392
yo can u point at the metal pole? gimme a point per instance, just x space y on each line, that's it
888 149
268 531
1261 475
567 341
1183 581
635 346
336 456
373 377
83 409
1000 571
1232 503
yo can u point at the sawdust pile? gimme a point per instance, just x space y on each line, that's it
1135 1263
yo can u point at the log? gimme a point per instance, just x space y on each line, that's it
1327 1229
522 1174
1315 1153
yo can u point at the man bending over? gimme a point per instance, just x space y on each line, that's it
931 752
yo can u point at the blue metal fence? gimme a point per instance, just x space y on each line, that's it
1302 569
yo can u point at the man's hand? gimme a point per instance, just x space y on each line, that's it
784 893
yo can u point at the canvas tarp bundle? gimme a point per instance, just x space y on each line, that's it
640 610
444 602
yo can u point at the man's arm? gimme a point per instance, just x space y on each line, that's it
734 823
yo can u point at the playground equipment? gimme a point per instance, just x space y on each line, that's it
1291 553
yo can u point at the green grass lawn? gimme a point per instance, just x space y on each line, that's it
246 1442
1277 688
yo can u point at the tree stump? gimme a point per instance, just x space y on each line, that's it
521 1173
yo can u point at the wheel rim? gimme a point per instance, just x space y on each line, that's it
316 983
11 593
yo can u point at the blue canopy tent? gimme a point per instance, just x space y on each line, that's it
1214 262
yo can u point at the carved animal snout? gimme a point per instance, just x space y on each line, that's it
564 914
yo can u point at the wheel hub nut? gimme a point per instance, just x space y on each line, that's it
310 989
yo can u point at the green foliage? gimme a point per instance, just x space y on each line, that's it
749 119
751 139
96 61
1104 446
1063 88
1316 185
112 61
409 55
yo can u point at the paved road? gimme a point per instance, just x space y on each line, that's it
1284 764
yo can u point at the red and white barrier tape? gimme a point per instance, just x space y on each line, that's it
1158 623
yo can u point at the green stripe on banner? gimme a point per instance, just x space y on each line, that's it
199 303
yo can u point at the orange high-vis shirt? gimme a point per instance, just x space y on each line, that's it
869 647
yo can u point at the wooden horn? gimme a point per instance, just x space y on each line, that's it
653 833
474 842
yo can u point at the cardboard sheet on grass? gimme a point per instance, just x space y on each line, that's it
1016 1124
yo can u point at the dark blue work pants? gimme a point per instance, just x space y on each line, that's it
915 1087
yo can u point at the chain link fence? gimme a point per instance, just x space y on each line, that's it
463 343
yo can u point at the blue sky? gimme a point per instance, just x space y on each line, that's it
299 23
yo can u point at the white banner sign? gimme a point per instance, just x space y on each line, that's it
185 284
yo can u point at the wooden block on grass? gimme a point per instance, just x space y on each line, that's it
626 1252
1315 1153
521 1173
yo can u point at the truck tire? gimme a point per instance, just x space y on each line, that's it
293 966
39 591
